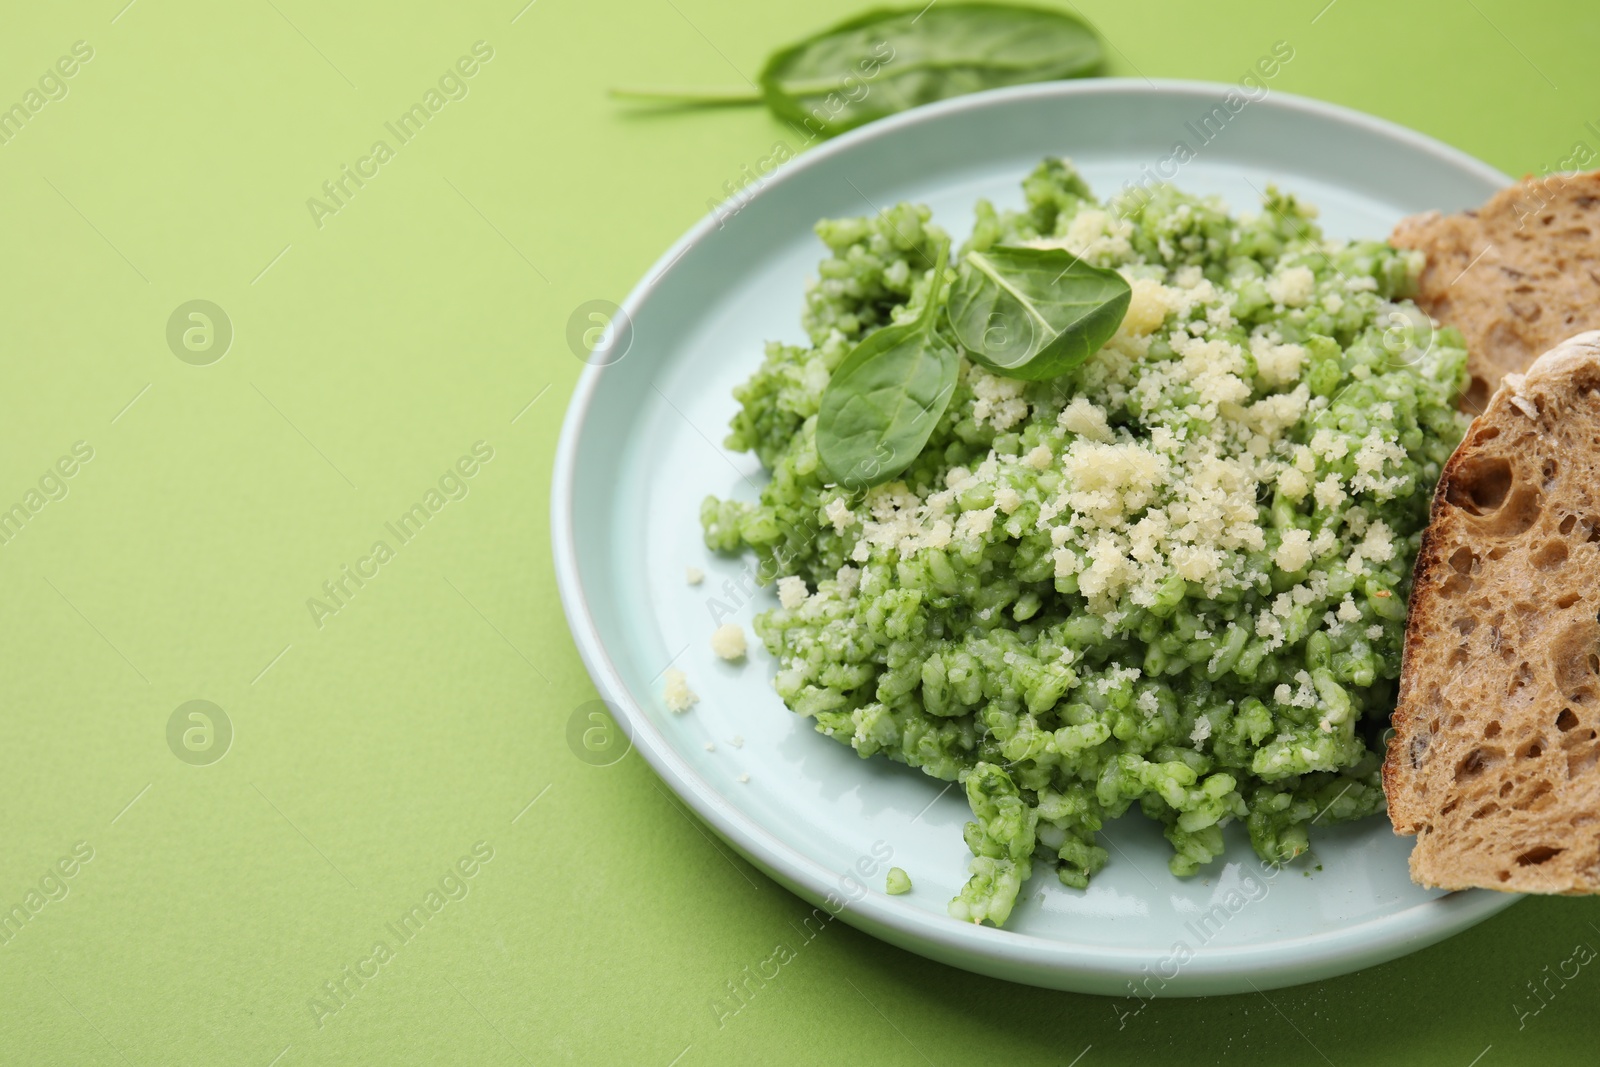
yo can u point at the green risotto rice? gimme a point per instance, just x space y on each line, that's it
1174 577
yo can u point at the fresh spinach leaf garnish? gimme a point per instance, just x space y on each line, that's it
1034 313
884 400
891 59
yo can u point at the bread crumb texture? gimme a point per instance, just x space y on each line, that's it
1493 763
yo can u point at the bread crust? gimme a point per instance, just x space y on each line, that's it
1515 276
1494 762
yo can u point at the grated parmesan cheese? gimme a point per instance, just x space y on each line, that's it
999 402
728 641
1294 551
676 692
792 592
1292 287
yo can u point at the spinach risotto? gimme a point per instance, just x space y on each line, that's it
1171 576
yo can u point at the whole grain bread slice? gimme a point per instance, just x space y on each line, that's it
1494 763
1515 276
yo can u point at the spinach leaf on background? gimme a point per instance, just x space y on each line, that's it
1034 313
883 402
890 59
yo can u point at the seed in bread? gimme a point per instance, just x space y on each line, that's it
1495 760
1515 276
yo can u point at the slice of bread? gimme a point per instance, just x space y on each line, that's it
1515 276
1494 763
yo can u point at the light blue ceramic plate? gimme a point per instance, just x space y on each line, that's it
641 448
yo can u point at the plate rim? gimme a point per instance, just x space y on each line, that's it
986 949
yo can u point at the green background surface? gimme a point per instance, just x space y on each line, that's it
424 717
